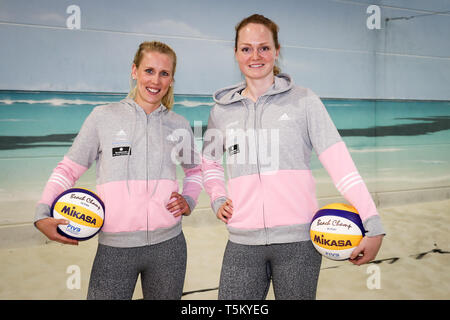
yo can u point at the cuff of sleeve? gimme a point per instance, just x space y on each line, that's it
217 203
373 226
190 201
42 212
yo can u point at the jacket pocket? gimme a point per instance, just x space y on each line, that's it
247 200
158 215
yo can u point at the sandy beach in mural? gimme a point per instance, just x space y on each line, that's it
400 148
381 69
413 262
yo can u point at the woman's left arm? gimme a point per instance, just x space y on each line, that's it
335 157
190 160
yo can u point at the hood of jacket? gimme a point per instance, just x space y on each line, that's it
232 94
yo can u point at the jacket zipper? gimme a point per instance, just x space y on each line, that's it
146 171
258 165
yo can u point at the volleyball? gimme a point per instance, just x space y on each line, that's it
84 210
336 230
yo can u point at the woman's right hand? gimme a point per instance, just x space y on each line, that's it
225 211
48 227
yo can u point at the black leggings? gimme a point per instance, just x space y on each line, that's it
247 270
162 268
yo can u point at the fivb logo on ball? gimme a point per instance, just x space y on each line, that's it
84 210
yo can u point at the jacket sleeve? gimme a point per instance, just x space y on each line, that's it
190 160
213 172
336 159
83 152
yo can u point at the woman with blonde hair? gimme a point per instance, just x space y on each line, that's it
132 142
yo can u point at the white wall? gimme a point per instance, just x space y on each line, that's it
326 45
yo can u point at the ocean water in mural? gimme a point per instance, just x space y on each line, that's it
396 145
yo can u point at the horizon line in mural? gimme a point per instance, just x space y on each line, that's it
426 126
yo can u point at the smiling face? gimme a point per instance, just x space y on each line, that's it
256 52
154 75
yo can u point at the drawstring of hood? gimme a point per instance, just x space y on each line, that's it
232 94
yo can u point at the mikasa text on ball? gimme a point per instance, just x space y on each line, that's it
336 230
83 209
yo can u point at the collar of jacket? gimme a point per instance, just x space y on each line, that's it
158 111
232 94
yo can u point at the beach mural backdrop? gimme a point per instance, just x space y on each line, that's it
396 145
382 69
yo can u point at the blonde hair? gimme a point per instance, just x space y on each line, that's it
149 46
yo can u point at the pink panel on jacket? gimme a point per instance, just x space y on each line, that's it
62 178
193 182
137 209
290 195
284 197
213 179
337 161
340 166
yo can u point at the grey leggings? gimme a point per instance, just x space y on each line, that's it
162 268
247 270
